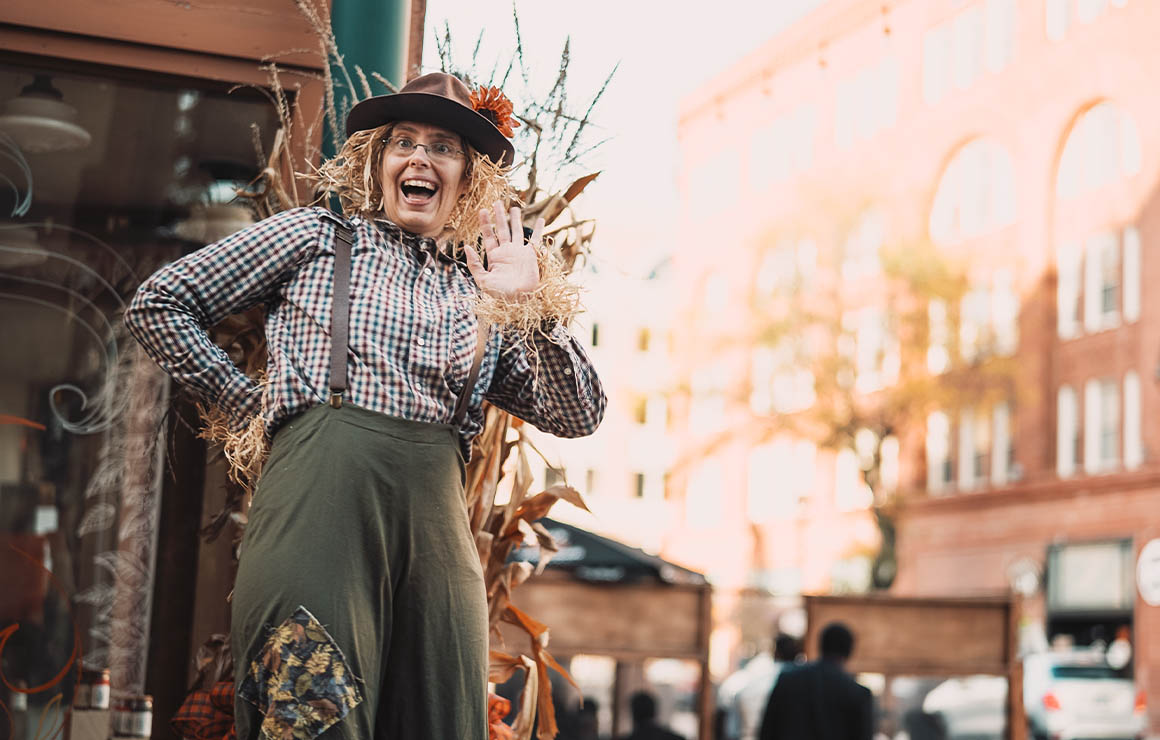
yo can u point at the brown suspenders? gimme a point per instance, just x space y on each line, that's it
340 325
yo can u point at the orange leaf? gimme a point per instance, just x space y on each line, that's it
578 186
514 616
569 494
546 728
547 657
502 666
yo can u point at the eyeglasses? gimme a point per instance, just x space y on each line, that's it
405 146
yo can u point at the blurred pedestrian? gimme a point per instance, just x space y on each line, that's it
820 700
643 706
744 694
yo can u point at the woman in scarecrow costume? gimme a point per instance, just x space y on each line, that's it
359 609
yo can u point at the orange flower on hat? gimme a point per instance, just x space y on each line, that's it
493 105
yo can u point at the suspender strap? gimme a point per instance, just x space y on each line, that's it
340 326
464 399
340 313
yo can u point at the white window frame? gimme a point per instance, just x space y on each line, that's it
938 453
1133 443
1130 286
1069 268
1101 258
1001 444
1066 431
1101 418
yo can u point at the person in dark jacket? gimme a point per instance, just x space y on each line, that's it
820 700
644 719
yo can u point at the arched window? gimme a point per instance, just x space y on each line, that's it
975 195
1103 146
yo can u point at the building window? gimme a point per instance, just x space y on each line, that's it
638 485
967 46
975 195
975 321
703 496
554 476
954 52
768 493
1102 282
1070 259
876 355
1000 42
1058 17
1101 425
595 334
1110 292
1102 147
1130 257
1133 443
640 410
939 468
1088 577
1060 13
867 102
591 477
974 449
643 338
783 148
1067 439
1002 449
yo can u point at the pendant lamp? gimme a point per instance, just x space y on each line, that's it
40 121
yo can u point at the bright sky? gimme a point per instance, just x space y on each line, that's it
663 56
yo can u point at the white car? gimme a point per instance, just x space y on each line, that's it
969 707
1077 694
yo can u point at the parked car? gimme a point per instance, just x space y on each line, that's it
1077 694
968 707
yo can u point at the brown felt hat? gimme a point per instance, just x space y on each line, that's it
439 99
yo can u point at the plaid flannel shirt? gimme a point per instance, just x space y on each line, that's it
412 331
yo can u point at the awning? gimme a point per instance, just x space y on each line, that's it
590 557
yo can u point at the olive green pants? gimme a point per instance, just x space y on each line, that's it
359 609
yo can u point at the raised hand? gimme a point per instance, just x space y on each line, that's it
512 269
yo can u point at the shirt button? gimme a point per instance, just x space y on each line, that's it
429 271
567 371
420 341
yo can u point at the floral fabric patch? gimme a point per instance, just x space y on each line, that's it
300 681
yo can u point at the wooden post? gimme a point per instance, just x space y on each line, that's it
1016 719
706 700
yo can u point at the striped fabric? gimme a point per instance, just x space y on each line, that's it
412 331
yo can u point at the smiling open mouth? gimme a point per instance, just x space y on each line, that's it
418 192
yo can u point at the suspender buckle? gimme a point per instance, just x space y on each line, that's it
336 399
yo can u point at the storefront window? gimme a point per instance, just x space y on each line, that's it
103 177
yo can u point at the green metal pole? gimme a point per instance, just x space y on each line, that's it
372 35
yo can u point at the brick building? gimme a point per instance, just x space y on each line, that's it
1022 138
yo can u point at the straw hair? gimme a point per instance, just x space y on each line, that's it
245 449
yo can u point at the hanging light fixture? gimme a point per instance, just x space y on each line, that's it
40 121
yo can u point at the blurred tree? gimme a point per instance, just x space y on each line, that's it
857 340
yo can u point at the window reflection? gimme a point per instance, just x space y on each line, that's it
102 179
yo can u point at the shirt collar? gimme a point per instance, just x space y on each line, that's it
422 243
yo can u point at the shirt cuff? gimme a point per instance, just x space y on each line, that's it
241 400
